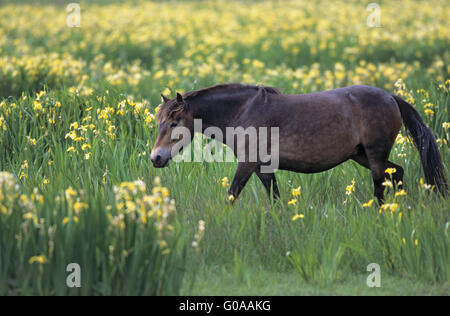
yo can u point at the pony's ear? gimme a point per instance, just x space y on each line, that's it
164 98
179 99
181 102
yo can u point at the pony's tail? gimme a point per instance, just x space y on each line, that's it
426 145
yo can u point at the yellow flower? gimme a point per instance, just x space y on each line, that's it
70 149
40 94
46 181
225 182
78 206
70 192
65 220
38 259
350 188
387 183
165 252
2 123
37 106
298 216
391 206
148 119
31 141
158 75
28 215
441 140
425 185
85 146
400 193
130 205
23 175
416 242
296 192
74 125
292 202
164 192
25 164
368 204
166 92
400 139
390 171
257 64
429 112
71 134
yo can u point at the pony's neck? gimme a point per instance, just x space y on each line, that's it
218 110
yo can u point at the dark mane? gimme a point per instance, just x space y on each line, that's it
170 107
230 86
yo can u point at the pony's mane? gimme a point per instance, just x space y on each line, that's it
170 107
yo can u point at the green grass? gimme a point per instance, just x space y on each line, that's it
254 282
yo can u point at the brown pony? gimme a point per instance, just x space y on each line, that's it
317 131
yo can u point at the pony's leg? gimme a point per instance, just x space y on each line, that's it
243 173
375 159
270 183
378 175
378 161
397 177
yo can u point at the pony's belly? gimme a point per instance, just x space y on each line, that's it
311 159
307 167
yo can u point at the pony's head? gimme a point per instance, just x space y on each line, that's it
176 127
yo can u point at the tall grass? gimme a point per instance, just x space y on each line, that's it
117 251
80 205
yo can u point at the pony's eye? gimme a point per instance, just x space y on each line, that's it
174 124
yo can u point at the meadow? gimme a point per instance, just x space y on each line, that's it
78 121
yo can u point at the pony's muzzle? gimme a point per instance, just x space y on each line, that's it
160 157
